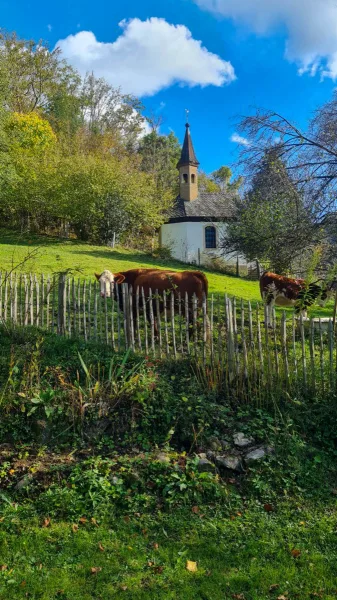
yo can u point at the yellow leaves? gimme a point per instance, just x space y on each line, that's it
75 527
191 566
100 547
29 132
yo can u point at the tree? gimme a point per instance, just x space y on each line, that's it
271 221
31 74
159 157
206 183
104 108
30 141
222 178
310 156
219 181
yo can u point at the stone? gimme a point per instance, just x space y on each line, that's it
202 455
162 457
24 482
115 480
230 461
226 445
205 466
255 455
241 441
210 454
214 443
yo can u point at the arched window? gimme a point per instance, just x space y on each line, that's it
210 237
185 178
192 178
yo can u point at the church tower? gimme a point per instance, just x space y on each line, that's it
188 169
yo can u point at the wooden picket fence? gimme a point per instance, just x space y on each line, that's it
227 337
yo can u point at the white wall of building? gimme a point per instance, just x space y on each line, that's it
187 239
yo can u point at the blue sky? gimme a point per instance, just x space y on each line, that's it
281 55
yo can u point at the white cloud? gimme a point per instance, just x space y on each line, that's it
238 139
311 27
49 27
147 57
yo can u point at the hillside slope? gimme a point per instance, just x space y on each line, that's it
50 255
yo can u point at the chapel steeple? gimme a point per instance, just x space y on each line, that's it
188 169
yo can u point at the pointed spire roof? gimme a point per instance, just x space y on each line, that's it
188 156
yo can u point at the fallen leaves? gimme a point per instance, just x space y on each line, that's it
46 523
238 596
155 545
268 507
282 597
82 520
195 509
3 567
191 566
100 547
295 552
75 527
274 587
95 570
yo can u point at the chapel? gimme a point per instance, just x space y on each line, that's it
197 221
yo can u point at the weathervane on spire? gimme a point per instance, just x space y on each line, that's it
187 112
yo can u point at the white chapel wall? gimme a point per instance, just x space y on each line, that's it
186 240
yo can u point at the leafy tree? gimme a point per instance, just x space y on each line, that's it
272 222
222 178
31 74
206 183
219 181
159 156
104 108
31 140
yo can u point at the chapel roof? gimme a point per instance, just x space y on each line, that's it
207 207
187 156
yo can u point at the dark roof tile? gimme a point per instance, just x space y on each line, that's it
207 206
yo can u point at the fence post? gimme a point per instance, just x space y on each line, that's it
258 270
61 305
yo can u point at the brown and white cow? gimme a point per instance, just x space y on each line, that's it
285 291
190 283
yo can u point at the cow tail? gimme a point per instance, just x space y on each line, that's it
204 280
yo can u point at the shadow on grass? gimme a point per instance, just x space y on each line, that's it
15 238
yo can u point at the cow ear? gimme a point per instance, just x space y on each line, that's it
119 278
97 275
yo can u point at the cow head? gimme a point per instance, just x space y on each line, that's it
108 281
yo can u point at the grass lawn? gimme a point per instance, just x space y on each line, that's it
51 255
290 553
55 255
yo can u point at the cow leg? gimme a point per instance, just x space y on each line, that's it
270 303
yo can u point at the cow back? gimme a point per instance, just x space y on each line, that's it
185 282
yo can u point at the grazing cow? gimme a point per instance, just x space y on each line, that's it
192 283
284 291
108 279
